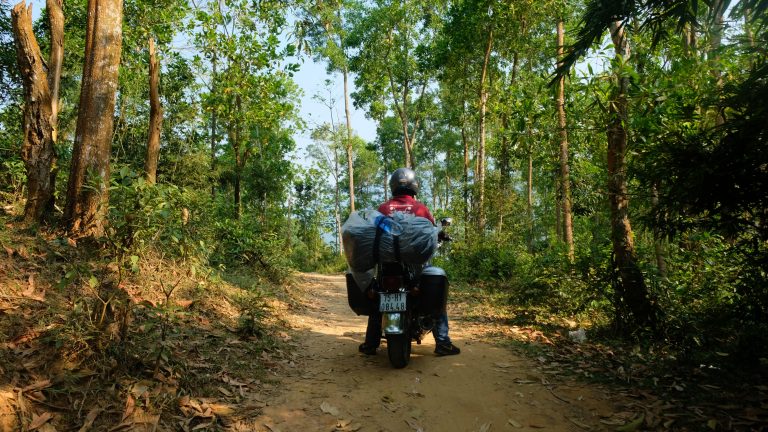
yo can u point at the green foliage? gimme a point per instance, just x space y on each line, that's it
13 177
9 77
487 260
245 242
161 217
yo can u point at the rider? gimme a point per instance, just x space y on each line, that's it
405 187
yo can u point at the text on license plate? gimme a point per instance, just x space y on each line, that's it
392 302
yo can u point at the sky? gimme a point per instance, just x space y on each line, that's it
311 79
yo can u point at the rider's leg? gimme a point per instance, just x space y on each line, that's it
372 334
443 345
441 329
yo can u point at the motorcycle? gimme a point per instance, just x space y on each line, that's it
408 300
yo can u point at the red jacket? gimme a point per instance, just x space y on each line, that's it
406 204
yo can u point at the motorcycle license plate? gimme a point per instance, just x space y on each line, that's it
392 302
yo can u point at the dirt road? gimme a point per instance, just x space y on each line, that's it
485 388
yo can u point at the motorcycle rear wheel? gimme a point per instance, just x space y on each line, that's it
399 350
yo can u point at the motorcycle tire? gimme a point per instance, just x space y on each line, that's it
399 350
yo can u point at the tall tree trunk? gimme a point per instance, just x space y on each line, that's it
234 137
87 203
465 188
565 180
530 196
689 39
350 164
505 158
402 111
658 247
632 295
337 197
504 168
748 27
481 148
56 22
558 209
717 26
213 128
37 151
155 116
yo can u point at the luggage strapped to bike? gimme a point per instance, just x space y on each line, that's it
380 224
383 224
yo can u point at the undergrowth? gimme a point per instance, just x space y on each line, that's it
113 333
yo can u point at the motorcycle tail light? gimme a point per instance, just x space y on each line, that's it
391 283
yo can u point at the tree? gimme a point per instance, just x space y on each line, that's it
327 31
631 292
155 116
56 23
326 154
565 180
87 188
41 107
393 41
254 93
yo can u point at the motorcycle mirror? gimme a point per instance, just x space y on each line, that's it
446 221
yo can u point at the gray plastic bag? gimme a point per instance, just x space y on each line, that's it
416 236
363 279
418 240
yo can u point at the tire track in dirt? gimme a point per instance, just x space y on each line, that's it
485 388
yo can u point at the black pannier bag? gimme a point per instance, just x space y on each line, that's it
433 284
358 299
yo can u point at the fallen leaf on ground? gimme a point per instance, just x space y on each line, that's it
30 286
485 428
39 420
224 391
208 425
415 393
36 396
37 386
233 381
329 409
514 424
89 419
415 426
351 427
139 388
184 303
221 409
130 404
579 424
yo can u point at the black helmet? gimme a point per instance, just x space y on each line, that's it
404 182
